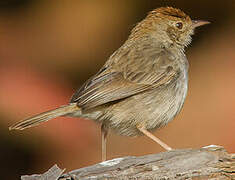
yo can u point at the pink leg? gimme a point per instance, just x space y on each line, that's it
154 138
104 133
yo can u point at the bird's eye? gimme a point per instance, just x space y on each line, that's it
179 25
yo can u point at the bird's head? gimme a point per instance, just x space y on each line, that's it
169 26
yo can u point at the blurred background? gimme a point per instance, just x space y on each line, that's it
49 48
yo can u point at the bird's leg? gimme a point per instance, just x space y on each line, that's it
104 133
154 138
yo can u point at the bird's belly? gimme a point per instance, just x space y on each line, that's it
165 106
152 109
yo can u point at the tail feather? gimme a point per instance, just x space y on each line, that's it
45 116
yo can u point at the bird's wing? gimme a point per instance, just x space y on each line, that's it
110 85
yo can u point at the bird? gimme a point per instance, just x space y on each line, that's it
141 87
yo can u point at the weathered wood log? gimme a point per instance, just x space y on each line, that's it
211 162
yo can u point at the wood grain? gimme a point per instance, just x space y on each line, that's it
211 162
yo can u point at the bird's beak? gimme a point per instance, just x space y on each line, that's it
197 23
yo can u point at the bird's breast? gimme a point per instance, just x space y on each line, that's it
166 102
152 109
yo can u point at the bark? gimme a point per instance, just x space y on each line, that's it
211 162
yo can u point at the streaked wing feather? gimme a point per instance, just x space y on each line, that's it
109 90
114 83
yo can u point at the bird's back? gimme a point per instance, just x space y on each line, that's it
153 108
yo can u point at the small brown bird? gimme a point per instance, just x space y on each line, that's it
143 84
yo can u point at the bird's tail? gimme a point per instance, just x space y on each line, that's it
45 116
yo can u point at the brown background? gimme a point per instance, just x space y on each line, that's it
49 48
